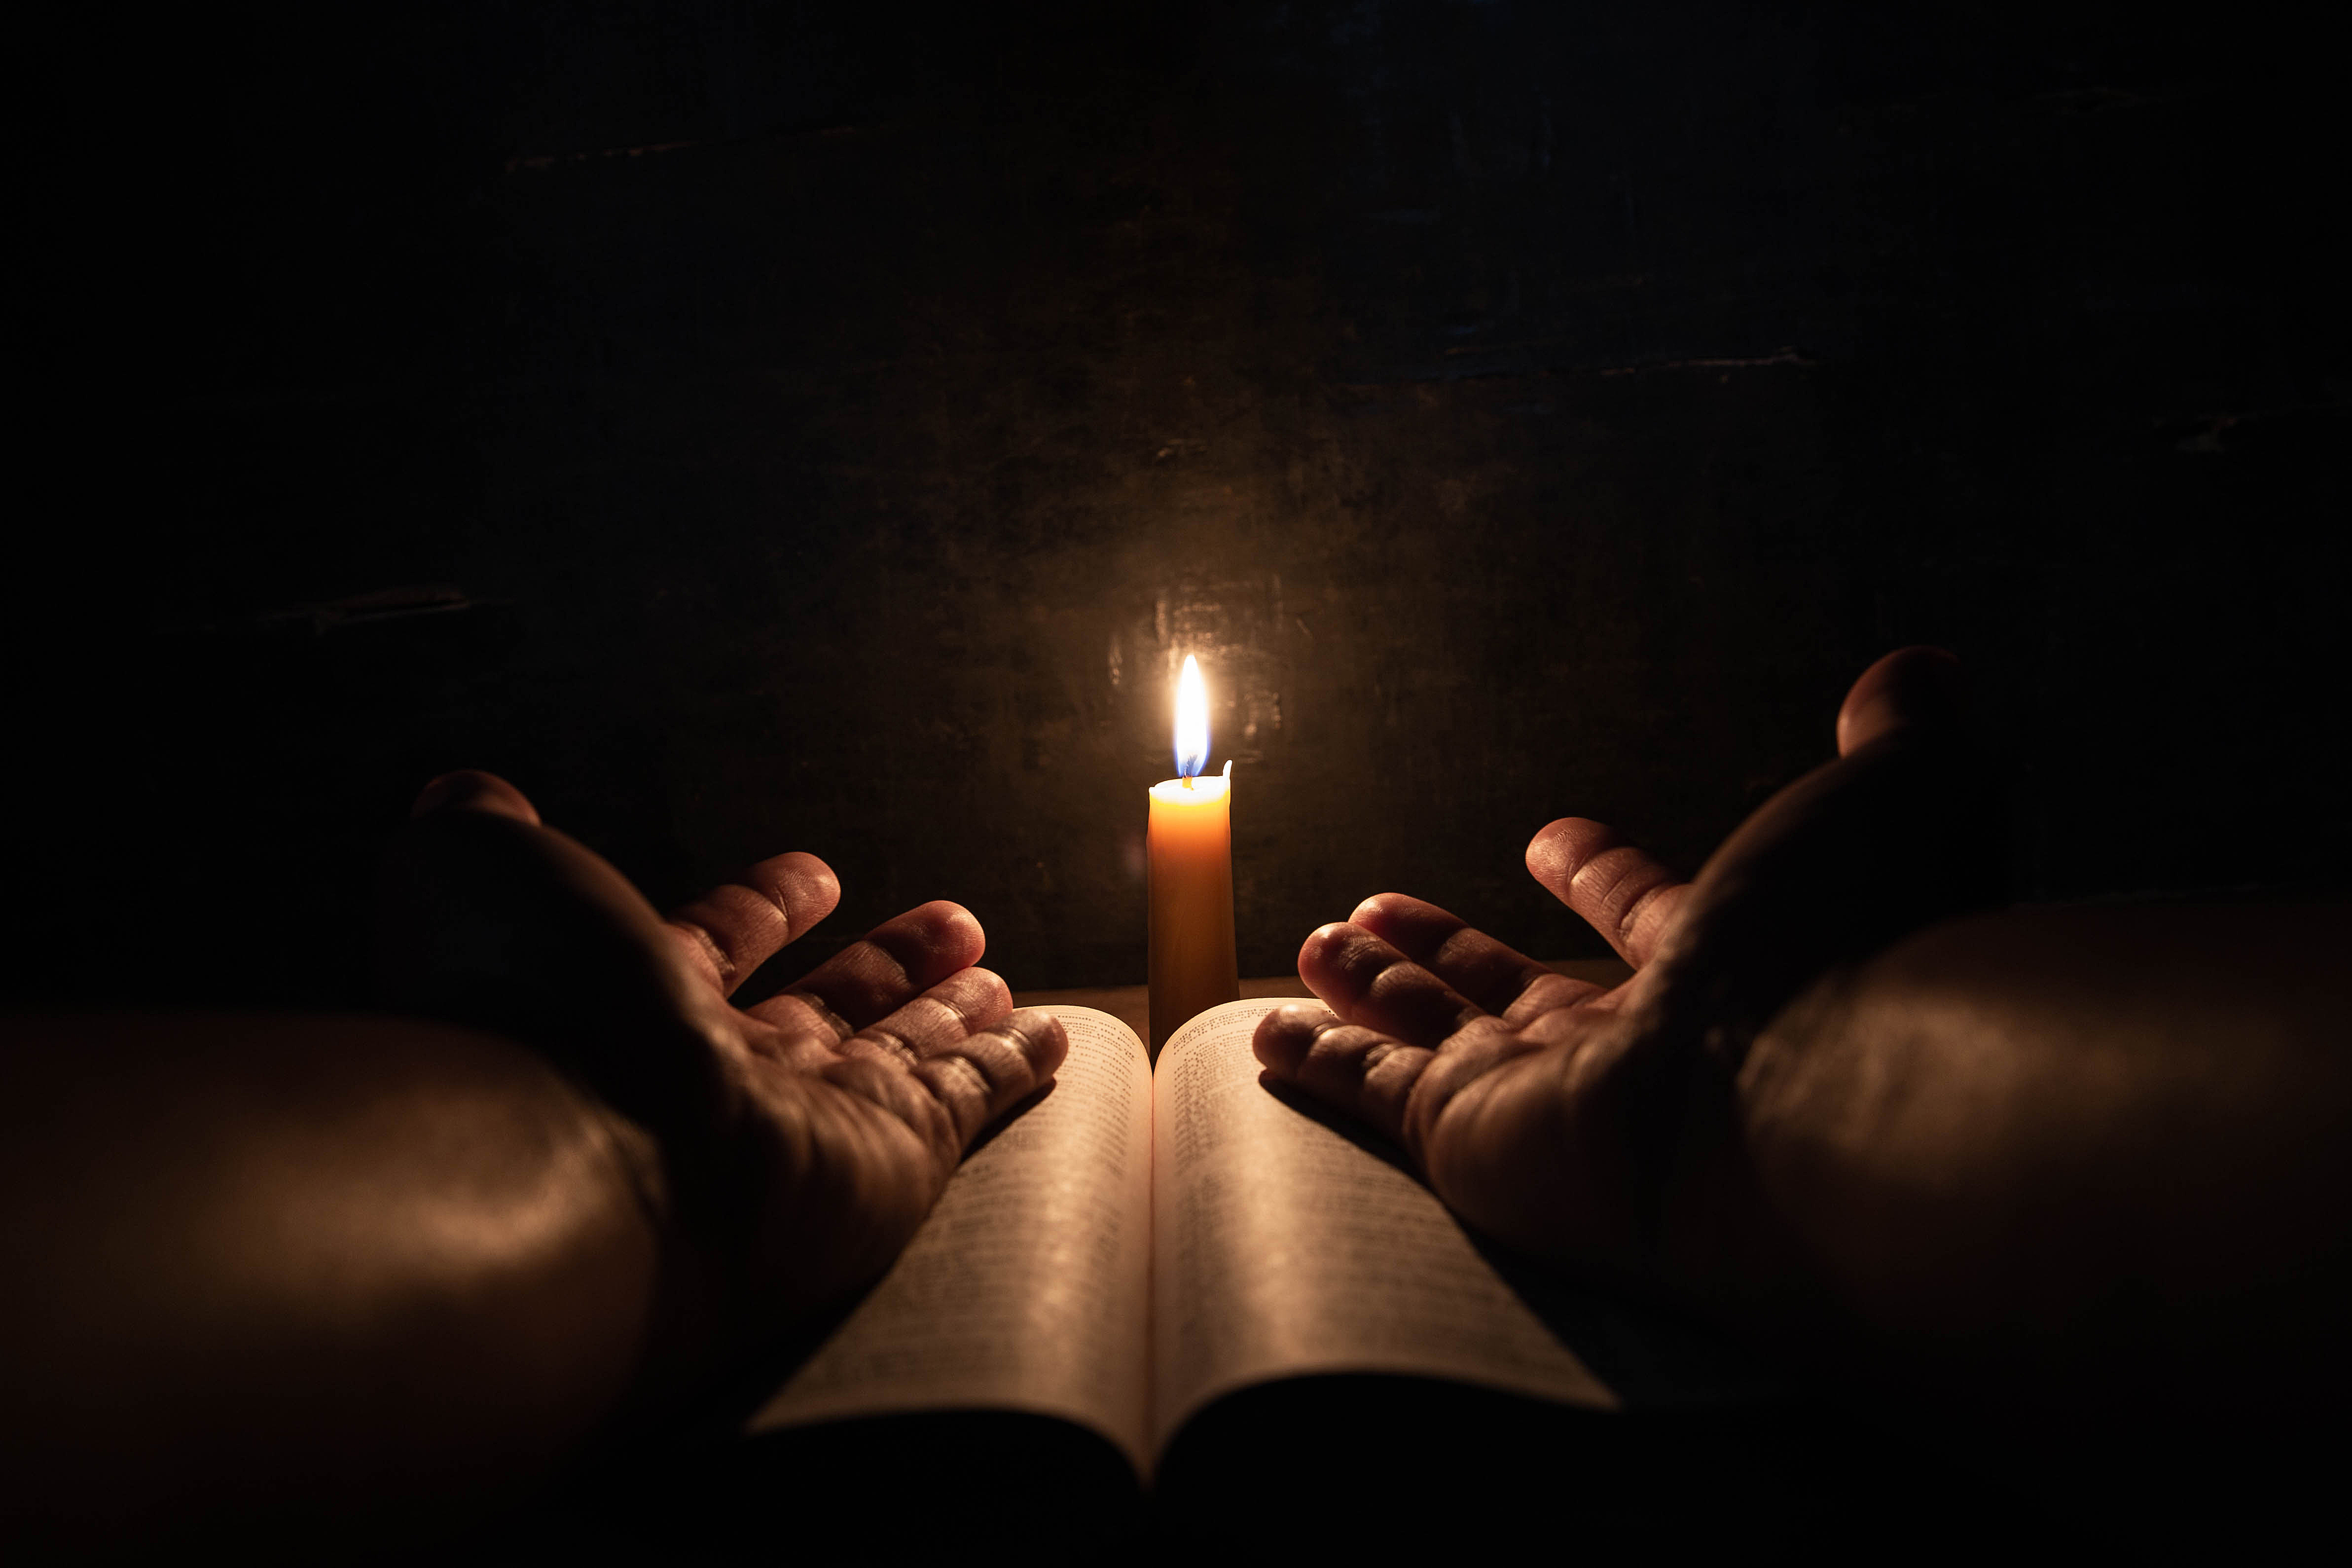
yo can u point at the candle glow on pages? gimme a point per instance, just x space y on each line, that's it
1193 966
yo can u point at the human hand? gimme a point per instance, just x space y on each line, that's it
786 1151
1579 1122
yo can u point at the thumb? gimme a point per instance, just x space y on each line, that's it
1912 687
485 918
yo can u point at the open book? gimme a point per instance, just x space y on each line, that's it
1137 1246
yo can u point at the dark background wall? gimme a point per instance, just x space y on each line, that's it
752 426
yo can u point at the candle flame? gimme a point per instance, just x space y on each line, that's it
1191 721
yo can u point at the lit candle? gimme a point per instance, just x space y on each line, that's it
1192 842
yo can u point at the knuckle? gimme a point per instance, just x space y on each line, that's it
1600 873
1622 881
887 1043
766 882
883 964
1571 844
961 1089
706 947
1001 1062
950 1016
1461 945
1332 1039
743 910
813 1015
974 995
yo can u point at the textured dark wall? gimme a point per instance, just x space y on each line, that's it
828 427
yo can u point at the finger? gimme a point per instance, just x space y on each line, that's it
937 1020
1912 686
869 980
1622 892
985 1074
489 920
956 1089
736 927
1365 981
1362 1072
1505 983
470 789
1400 1090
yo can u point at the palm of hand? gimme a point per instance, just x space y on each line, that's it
1517 1091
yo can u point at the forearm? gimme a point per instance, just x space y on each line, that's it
2042 1148
319 1262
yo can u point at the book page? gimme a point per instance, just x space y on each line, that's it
1027 1287
1283 1247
